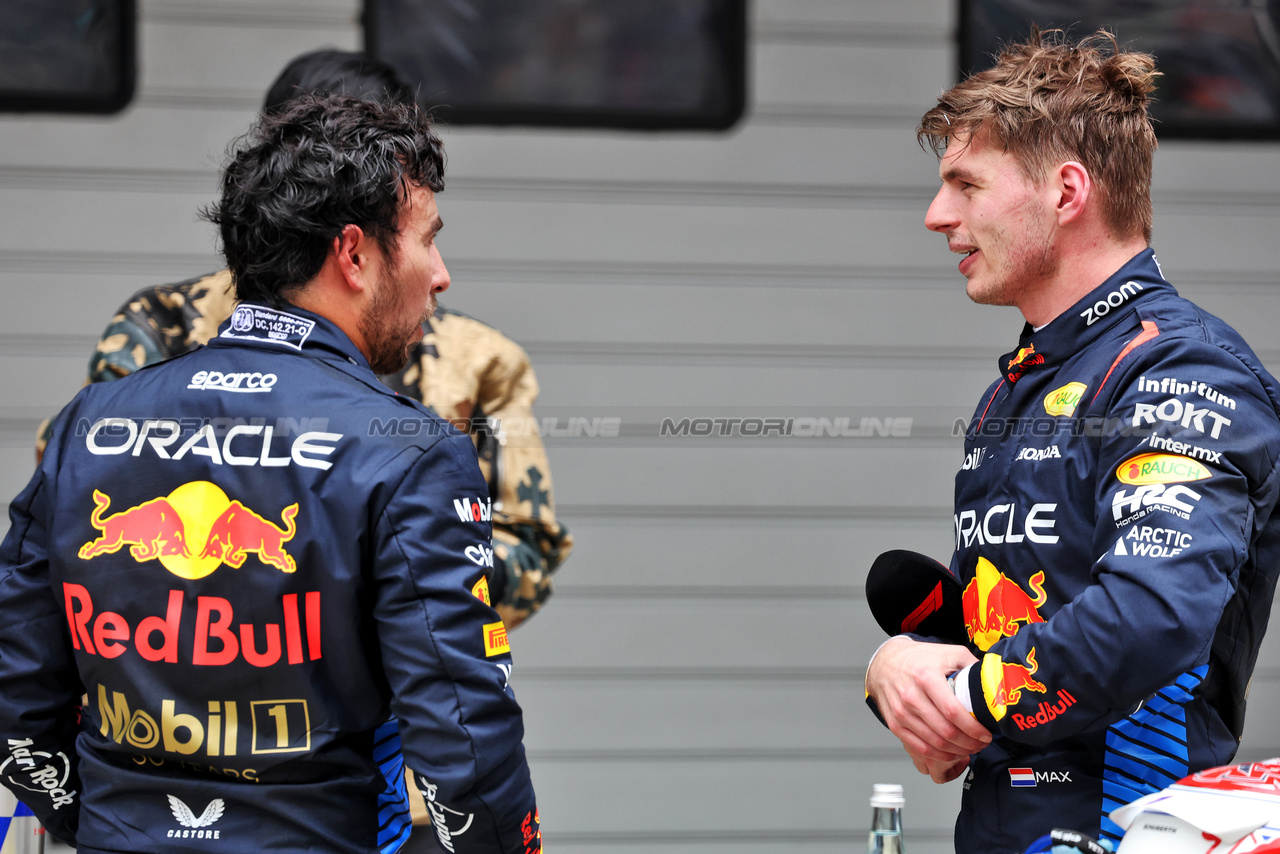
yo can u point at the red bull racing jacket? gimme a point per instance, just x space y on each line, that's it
1115 536
250 558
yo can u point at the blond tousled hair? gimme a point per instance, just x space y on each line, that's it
1047 102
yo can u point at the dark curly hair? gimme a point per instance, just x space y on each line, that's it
315 165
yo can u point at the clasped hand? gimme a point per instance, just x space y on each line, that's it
908 681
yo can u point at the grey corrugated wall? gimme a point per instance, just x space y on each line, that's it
695 683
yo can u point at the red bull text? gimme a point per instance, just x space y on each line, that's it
215 641
1045 713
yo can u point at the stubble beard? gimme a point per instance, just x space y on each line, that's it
1023 271
389 337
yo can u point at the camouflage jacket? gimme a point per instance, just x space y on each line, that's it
468 372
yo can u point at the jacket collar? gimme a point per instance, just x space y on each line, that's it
288 328
1139 280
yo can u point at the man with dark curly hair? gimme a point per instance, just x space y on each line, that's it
1115 535
273 602
463 368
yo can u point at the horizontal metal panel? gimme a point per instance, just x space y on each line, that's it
604 233
64 313
766 311
680 553
733 635
607 720
804 801
887 475
1197 166
865 314
842 14
290 13
661 637
705 383
822 77
150 138
235 56
603 719
47 373
90 221
173 149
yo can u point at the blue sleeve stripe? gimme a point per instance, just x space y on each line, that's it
1147 751
1174 729
394 820
388 844
1120 747
1137 774
1138 733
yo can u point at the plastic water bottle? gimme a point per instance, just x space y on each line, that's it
886 819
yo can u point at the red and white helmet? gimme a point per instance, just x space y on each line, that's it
1234 809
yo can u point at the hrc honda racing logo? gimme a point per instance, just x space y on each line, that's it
1177 499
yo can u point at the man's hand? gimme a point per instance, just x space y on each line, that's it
939 770
908 681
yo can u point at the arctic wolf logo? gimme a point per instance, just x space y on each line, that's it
187 818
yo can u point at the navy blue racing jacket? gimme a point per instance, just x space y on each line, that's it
1115 536
254 559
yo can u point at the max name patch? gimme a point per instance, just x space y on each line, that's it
495 639
266 324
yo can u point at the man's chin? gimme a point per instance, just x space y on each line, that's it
988 295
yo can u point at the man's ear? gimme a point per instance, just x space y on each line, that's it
355 253
1074 189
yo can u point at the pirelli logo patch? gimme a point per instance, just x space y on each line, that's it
495 639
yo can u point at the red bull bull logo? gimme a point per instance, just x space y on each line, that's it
1022 361
1022 355
994 605
197 512
151 529
1003 683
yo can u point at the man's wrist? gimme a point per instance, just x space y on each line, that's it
867 674
959 684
